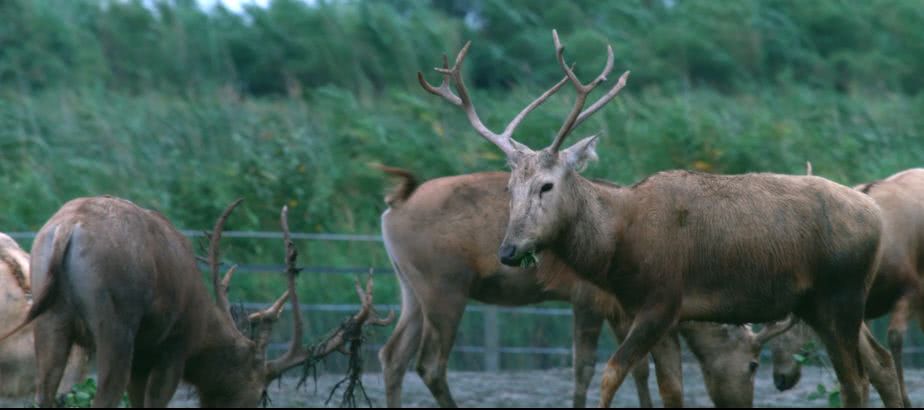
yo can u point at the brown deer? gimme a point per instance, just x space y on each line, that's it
442 238
17 353
690 246
898 283
121 280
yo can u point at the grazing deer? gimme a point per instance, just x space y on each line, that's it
121 280
689 246
442 238
897 288
17 353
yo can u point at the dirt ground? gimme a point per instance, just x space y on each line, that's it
543 388
552 388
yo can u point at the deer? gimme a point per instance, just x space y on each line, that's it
897 287
121 280
682 245
442 236
17 353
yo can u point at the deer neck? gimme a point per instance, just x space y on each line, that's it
221 350
587 240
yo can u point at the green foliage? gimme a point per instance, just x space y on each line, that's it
811 354
82 394
831 395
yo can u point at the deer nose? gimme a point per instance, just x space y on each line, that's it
506 254
784 382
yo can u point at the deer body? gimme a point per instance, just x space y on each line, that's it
442 237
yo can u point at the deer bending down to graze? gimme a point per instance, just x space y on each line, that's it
17 353
690 246
442 238
122 280
898 283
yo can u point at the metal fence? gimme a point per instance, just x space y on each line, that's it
491 349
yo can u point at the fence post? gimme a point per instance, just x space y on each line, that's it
491 339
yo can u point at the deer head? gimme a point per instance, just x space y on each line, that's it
246 385
542 183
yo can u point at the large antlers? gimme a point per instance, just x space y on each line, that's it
221 287
576 116
297 352
504 140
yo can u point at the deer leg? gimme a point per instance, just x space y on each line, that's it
439 333
669 370
137 386
650 325
640 371
401 346
840 336
586 332
53 341
898 326
882 370
163 380
76 369
115 350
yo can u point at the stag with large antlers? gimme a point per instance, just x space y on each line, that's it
897 289
121 279
690 246
440 272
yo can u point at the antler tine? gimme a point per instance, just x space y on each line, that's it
504 140
349 331
226 281
602 100
273 311
576 116
297 352
772 330
221 292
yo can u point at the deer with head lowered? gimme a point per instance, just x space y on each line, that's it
690 246
121 280
442 237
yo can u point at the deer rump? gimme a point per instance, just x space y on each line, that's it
96 269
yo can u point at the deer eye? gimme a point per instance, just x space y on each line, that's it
545 188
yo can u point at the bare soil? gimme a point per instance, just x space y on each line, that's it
542 388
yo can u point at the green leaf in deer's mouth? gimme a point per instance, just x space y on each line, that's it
529 260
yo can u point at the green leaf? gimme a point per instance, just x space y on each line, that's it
799 358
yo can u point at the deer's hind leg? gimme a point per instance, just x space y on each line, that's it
439 334
401 346
54 338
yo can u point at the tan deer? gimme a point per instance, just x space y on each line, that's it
17 353
442 237
897 288
122 280
690 246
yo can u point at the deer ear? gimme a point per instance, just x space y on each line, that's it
518 152
579 155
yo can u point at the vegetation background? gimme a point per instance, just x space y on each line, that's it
182 109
